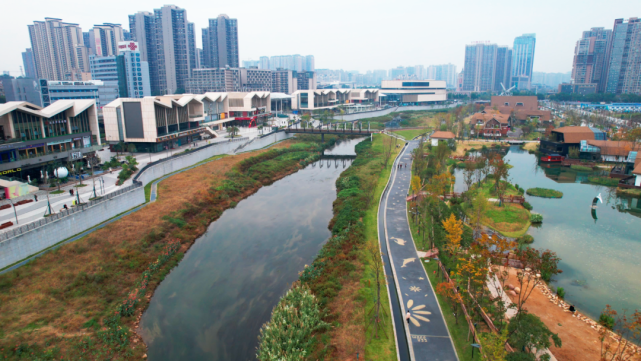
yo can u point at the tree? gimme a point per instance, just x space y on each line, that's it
494 345
627 330
260 128
468 173
131 148
306 120
446 289
539 266
500 172
416 184
233 131
454 229
479 207
378 273
528 332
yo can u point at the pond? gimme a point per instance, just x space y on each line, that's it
212 305
600 251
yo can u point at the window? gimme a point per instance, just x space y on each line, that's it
519 104
506 104
27 126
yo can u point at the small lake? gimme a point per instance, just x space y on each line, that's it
212 305
600 251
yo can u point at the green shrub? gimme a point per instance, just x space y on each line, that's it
527 206
544 192
560 292
288 334
606 320
581 168
526 239
536 218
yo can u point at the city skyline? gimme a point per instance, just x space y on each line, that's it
556 36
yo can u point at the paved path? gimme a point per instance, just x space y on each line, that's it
427 331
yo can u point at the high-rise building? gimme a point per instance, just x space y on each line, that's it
264 63
310 63
58 48
397 73
193 56
220 43
199 58
103 68
166 43
503 72
29 65
624 58
126 35
480 67
590 56
142 26
133 72
85 39
446 72
104 39
550 79
523 60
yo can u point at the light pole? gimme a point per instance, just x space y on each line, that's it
14 211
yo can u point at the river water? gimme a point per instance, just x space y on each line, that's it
212 305
600 251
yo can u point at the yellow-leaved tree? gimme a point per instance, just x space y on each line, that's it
416 184
454 229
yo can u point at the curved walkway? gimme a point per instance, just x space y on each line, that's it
427 332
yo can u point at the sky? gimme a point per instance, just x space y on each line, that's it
350 34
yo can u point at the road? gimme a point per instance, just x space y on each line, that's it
428 334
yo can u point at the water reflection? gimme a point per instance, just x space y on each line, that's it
600 248
212 305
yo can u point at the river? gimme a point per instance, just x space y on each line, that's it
212 305
600 252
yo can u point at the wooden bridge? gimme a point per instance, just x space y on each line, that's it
333 129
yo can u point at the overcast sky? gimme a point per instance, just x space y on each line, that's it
350 34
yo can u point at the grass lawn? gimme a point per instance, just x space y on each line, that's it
58 192
604 181
629 192
464 145
411 133
545 192
487 187
383 348
511 220
581 168
531 146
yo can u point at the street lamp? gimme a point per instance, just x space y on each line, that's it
14 211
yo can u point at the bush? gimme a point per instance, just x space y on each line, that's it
536 218
560 292
606 320
288 335
544 192
526 239
527 206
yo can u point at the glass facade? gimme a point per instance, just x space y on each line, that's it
523 58
27 126
55 126
80 124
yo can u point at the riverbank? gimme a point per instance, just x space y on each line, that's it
342 277
74 309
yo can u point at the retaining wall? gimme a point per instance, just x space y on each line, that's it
378 113
35 237
22 242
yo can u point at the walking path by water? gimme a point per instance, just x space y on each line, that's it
428 336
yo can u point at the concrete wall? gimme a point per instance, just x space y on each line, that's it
58 227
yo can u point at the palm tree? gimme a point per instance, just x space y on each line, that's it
233 131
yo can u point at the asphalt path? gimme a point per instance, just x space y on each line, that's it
426 330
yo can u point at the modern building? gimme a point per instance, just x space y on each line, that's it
551 80
624 58
104 39
564 138
133 72
193 51
165 43
103 68
523 60
22 90
98 91
503 71
31 137
218 80
445 72
315 99
220 43
264 63
142 26
249 80
251 64
580 88
310 63
294 62
199 59
58 49
155 124
415 92
590 58
29 64
480 67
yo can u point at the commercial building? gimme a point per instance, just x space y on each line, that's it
580 88
29 64
100 92
31 136
590 58
104 39
133 72
154 124
523 60
564 138
249 80
213 80
551 80
414 92
503 69
251 64
624 61
480 67
294 62
165 43
309 100
22 89
220 43
58 49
